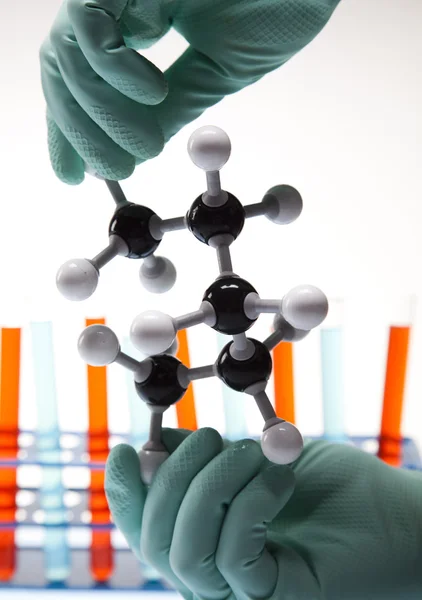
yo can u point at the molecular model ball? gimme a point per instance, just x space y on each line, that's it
230 305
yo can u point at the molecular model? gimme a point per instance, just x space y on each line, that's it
230 305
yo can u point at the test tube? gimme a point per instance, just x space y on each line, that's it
140 416
332 357
9 432
283 375
56 550
233 403
185 408
101 552
139 412
390 438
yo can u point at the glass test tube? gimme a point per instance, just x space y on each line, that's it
9 432
332 357
233 403
98 437
185 408
283 373
390 438
139 415
56 550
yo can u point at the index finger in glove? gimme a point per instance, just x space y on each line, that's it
95 24
125 491
242 558
91 143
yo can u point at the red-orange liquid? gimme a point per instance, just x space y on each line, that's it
284 382
9 430
98 434
185 408
394 388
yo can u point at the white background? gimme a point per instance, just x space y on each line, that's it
342 122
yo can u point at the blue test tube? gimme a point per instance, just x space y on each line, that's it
139 416
56 549
332 373
234 404
139 413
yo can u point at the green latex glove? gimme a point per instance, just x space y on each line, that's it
222 523
110 108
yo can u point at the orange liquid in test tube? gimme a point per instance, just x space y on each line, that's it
185 408
283 381
9 431
394 388
98 434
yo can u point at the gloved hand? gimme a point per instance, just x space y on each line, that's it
111 108
224 524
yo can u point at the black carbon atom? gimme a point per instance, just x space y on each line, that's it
162 388
207 221
241 374
227 296
131 223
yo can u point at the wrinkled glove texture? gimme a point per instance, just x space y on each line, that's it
220 522
109 108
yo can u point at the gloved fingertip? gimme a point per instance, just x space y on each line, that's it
207 436
122 470
172 438
125 493
121 452
70 175
65 161
247 445
114 172
69 178
157 93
